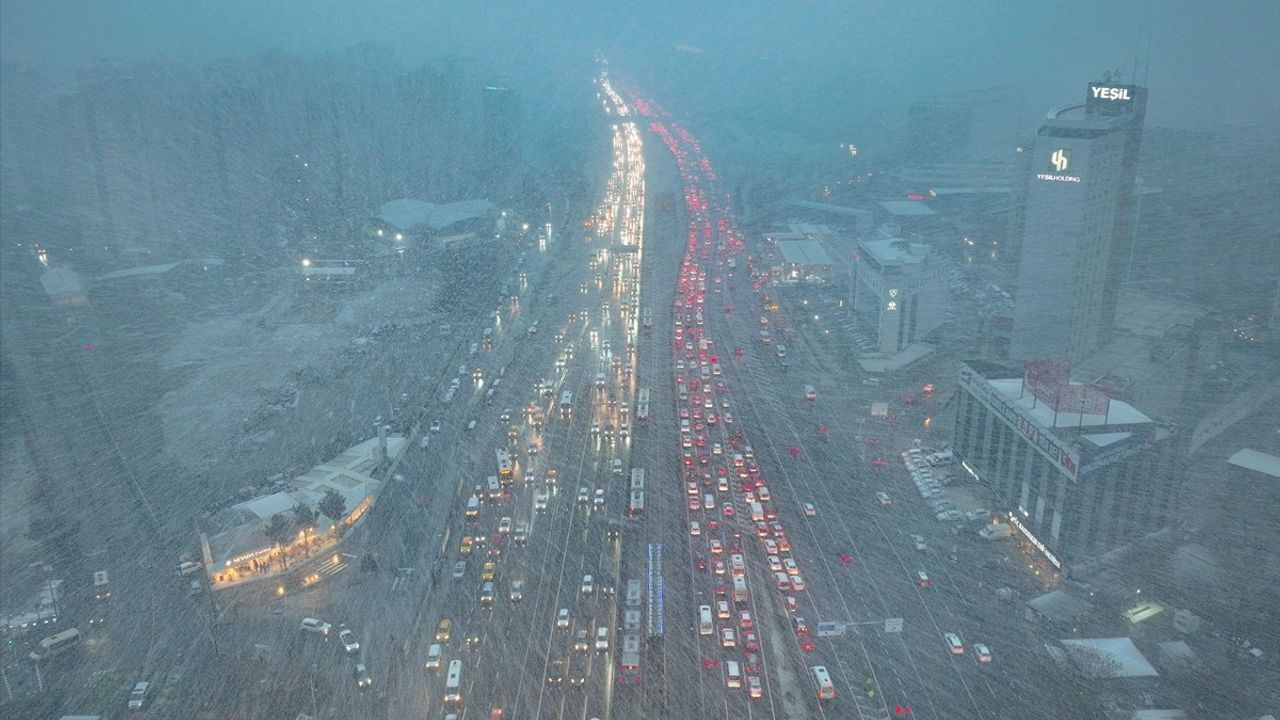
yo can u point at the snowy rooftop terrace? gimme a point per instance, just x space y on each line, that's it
1118 411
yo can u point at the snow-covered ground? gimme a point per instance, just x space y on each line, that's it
235 368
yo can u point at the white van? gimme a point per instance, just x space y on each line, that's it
709 501
433 657
732 674
453 683
705 625
822 682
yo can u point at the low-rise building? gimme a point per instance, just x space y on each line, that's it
899 291
802 260
1079 472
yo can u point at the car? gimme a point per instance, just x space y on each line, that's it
797 583
790 566
729 511
751 664
713 524
584 495
138 697
718 567
800 626
810 510
465 547
982 652
444 631
555 673
699 561
722 610
922 579
953 643
580 640
792 606
540 501
762 529
189 568
602 639
782 580
436 425
728 418
775 563
433 657
778 533
771 547
695 504
486 593
694 528
722 485
749 641
489 571
588 585
348 640
459 569
727 638
598 501
745 620
716 547
315 625
562 619
754 689
918 541
363 680
884 498
617 466
504 525
516 593
717 449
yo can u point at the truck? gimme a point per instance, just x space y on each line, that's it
995 531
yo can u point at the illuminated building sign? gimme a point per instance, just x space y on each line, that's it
1110 99
1013 518
1102 92
1059 162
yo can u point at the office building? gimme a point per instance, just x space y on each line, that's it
1078 472
899 291
1077 223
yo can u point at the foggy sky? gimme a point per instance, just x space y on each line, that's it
1208 66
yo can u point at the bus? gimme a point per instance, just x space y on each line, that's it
629 662
637 479
56 644
642 405
453 683
822 682
739 589
566 404
504 465
636 506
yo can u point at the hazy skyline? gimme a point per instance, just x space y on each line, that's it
1206 67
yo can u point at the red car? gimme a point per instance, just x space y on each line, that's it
728 511
749 642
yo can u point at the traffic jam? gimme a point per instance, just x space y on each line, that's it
737 541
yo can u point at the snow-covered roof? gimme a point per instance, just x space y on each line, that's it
138 271
804 252
906 208
1153 714
1059 605
61 282
409 213
896 251
1114 657
1104 439
1256 461
1118 411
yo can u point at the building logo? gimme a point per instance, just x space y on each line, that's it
1060 159
1101 92
1059 163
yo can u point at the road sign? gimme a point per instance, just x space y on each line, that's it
830 629
893 625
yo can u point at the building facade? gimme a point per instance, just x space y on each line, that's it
1078 223
1079 473
899 291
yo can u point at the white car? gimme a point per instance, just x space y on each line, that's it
315 625
953 644
884 499
599 498
983 652
348 640
810 510
727 638
562 619
588 585
797 583
436 425
433 657
584 495
602 638
695 529
617 466
717 449
540 501
791 567
722 610
504 525
138 698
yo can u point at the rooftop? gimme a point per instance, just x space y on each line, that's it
803 252
1256 461
896 251
410 213
1118 412
906 208
1109 658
